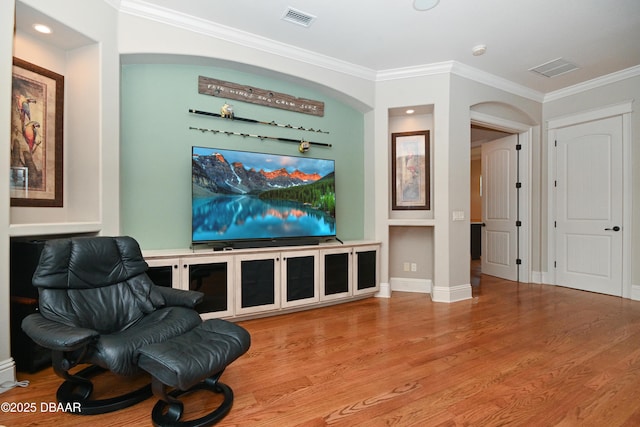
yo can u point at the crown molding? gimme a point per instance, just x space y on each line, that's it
492 80
462 70
593 83
171 17
415 71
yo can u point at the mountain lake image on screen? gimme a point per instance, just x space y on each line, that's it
250 196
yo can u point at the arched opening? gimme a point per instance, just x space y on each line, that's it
500 191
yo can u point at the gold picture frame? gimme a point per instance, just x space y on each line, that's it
410 171
37 100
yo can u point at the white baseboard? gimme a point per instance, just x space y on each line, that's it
536 277
451 293
401 284
635 292
384 292
7 373
542 277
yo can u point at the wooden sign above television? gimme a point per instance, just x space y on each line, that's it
254 95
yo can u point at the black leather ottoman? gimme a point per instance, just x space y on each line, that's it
194 360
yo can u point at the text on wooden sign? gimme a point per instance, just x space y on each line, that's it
253 95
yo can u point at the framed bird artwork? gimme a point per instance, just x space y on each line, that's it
36 136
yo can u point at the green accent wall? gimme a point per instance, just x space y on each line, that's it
155 151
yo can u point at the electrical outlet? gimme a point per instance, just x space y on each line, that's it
414 266
457 216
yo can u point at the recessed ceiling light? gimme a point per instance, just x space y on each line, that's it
42 28
425 4
410 111
479 50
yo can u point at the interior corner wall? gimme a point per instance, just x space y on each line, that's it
466 93
433 91
81 158
91 71
156 141
412 244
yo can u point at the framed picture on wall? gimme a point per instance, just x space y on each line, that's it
37 97
410 171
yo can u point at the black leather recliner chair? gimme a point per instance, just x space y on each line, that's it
98 307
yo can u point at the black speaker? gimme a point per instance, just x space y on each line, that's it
24 260
29 356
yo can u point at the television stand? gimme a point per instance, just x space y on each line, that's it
256 282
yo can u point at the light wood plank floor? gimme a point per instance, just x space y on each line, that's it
516 354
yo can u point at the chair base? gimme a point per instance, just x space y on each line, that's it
78 388
167 412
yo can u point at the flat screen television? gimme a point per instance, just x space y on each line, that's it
244 199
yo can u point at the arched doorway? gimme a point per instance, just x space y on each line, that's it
507 133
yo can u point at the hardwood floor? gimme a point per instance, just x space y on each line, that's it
515 354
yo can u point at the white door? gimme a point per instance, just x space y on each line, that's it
499 208
588 220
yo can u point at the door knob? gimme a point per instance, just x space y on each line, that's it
615 228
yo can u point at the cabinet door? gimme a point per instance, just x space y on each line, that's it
257 282
299 278
164 271
335 273
366 270
214 277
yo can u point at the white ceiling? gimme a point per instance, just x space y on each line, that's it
381 36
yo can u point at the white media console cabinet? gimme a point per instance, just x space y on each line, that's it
247 283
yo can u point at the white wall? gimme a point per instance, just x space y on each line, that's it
7 367
624 90
427 90
140 37
452 97
91 135
91 120
466 95
410 232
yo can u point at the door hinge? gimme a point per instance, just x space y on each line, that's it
555 143
555 264
518 147
518 185
555 224
518 261
518 223
555 183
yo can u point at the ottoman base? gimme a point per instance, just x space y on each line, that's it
168 410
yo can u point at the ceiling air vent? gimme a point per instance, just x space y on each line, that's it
298 17
554 68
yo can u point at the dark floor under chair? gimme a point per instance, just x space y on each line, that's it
97 306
